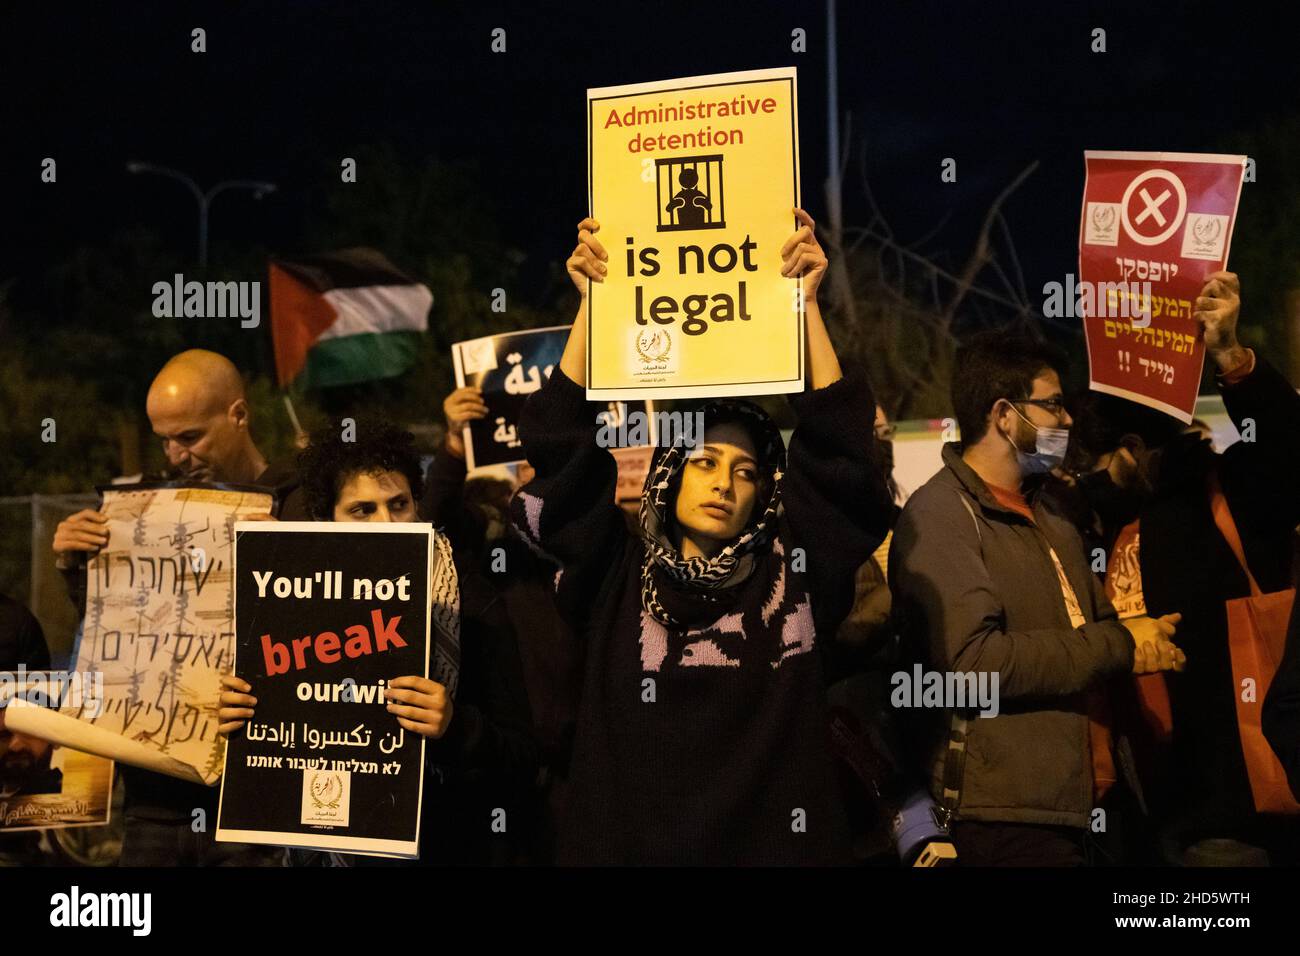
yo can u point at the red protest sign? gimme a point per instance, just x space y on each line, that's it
1153 226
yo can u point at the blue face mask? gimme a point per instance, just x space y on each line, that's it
1049 448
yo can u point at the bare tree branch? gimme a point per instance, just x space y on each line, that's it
980 255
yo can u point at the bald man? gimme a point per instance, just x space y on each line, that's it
197 407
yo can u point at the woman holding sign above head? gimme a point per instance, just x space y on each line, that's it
701 728
481 757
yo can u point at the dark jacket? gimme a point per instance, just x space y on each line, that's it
486 762
976 591
443 503
1282 706
283 480
679 760
1188 567
534 658
524 582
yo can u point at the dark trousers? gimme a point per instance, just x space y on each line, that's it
1016 844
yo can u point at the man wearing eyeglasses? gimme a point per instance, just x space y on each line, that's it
987 581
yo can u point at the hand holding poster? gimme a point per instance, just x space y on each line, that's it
694 183
327 615
508 368
1154 226
159 625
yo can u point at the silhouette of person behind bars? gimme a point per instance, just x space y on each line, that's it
689 203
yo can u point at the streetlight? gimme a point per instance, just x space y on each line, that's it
258 187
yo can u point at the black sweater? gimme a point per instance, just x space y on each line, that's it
675 763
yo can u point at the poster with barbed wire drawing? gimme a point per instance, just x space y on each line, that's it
159 629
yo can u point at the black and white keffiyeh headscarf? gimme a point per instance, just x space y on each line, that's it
674 588
444 614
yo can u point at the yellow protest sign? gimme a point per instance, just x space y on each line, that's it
693 182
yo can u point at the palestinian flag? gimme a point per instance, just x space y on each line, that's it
345 317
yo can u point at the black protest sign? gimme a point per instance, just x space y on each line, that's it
325 616
508 368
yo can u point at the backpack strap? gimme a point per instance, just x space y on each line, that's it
954 765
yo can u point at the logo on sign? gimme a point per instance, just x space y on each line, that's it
478 356
1153 207
1101 226
655 355
326 797
654 346
1205 236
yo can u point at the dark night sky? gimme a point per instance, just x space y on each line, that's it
286 88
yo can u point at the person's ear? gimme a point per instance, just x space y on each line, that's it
1002 414
238 413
